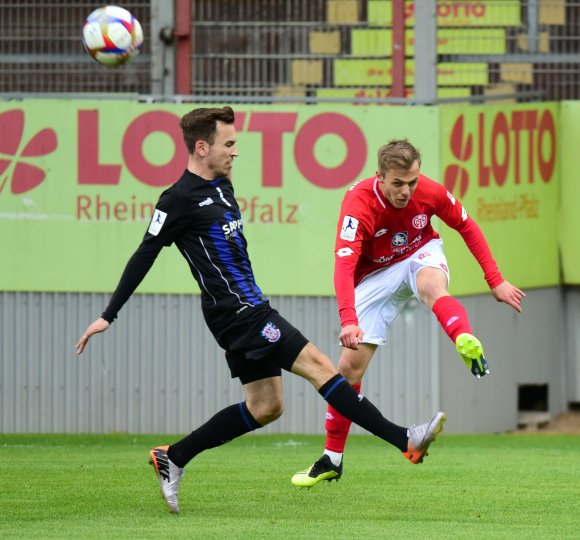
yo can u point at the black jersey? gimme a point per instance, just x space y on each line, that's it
202 218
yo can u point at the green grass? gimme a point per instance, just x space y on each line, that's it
480 486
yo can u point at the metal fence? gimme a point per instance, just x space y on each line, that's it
310 50
41 50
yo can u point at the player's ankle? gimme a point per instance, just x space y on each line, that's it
335 457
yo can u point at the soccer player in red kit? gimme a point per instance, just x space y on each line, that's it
387 252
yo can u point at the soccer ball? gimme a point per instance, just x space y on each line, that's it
112 35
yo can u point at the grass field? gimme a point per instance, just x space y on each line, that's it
480 486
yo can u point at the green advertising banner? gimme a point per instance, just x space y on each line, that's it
501 161
570 216
465 13
79 179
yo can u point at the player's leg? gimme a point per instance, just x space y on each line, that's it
263 389
352 366
318 369
378 300
431 284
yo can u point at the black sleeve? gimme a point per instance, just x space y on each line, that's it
170 219
136 269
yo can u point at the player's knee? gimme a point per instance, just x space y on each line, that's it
353 374
265 412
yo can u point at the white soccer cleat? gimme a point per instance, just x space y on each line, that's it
420 437
169 476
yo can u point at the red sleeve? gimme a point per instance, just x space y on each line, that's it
477 244
454 215
348 247
344 288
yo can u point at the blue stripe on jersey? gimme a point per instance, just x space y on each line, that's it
227 256
247 265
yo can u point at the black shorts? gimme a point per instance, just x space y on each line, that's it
261 345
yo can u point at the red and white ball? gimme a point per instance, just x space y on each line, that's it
112 35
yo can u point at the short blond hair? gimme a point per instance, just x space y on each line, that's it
397 154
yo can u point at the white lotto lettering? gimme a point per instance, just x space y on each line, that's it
344 252
157 222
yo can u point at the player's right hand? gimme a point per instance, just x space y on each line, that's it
350 336
100 325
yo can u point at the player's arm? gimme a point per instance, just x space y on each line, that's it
135 270
347 251
157 236
454 215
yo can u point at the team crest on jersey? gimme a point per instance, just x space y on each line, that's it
400 239
271 332
419 221
348 229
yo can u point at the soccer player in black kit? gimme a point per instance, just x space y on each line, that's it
200 215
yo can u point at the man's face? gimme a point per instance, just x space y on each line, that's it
398 185
221 154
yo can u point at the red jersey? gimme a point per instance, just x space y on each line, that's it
373 234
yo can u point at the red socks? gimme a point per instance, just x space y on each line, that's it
337 427
451 316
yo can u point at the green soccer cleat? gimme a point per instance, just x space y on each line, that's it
323 469
471 351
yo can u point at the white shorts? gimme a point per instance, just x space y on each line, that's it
380 296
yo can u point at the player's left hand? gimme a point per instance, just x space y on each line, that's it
100 325
506 292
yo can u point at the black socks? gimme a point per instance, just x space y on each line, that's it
361 411
226 425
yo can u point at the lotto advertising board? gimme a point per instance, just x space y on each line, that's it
569 216
79 180
502 163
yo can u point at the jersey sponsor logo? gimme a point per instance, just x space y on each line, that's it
207 202
349 227
157 222
271 332
383 259
344 252
424 255
231 229
380 232
400 238
463 214
451 198
420 221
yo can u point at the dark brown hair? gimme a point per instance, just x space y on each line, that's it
397 154
200 125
